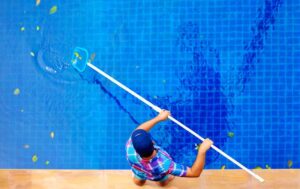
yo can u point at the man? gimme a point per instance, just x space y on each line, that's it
148 161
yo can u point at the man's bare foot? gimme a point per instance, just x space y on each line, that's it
166 182
138 181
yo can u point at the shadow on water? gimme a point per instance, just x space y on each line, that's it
199 101
265 20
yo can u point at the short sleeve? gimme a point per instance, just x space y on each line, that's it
138 174
179 170
130 152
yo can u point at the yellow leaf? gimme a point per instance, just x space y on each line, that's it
223 167
47 162
290 163
53 10
257 167
52 134
17 91
34 158
37 2
92 58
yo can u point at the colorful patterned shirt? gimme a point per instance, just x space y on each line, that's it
157 169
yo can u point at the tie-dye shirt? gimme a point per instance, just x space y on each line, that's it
157 169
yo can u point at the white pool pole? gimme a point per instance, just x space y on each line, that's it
174 120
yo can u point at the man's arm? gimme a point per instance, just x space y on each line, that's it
163 115
199 163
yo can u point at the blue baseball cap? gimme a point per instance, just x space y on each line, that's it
142 142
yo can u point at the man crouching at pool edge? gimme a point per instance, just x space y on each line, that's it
148 161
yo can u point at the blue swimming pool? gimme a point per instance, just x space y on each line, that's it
228 69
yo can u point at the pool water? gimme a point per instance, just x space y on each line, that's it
227 69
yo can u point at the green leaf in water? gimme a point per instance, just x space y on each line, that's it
17 91
290 163
230 134
34 158
268 167
197 146
223 167
53 9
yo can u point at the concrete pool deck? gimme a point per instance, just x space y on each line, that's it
121 179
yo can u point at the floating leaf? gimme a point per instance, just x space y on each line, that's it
290 163
38 28
53 10
197 146
77 55
22 110
230 134
257 167
52 134
32 54
26 146
47 162
22 28
17 91
268 167
34 158
223 167
164 81
37 2
92 58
